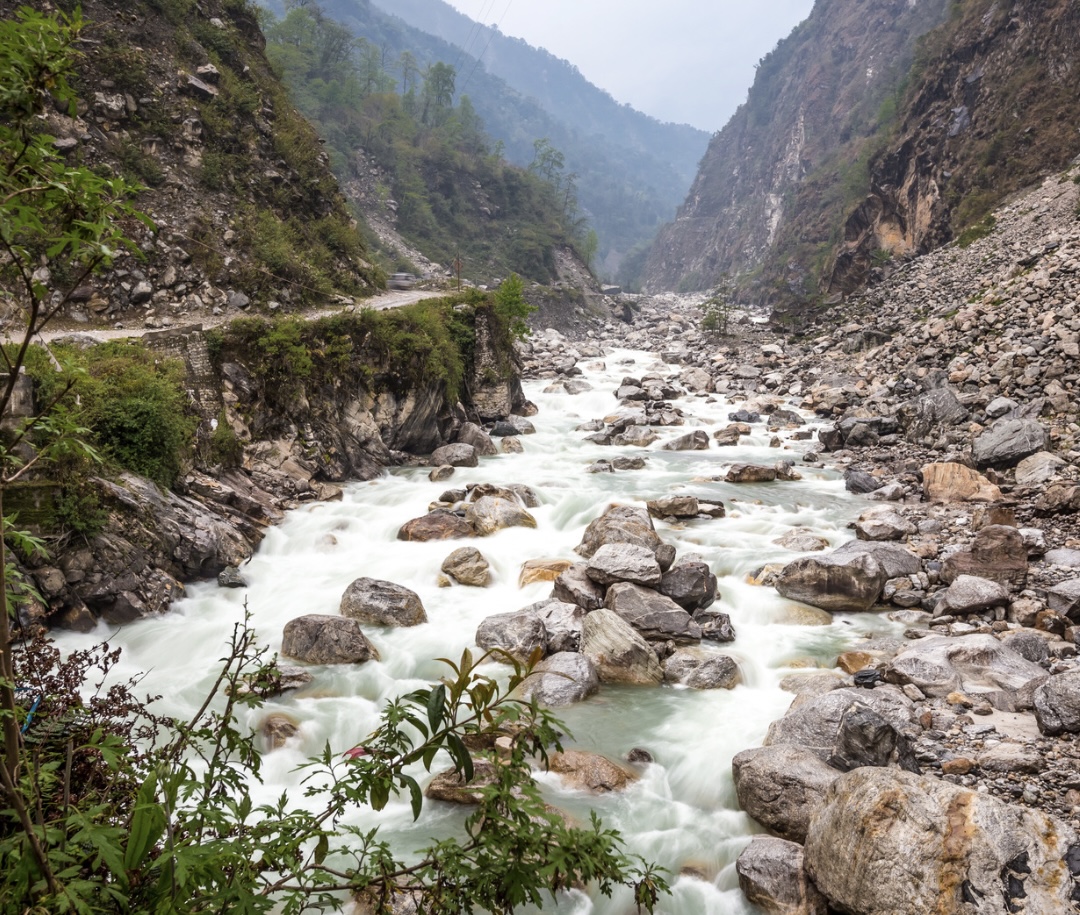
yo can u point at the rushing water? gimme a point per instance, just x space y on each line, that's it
682 813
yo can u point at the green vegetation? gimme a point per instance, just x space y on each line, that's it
455 196
972 234
511 307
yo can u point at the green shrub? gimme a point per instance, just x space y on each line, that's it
225 447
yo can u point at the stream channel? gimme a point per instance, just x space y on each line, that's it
683 812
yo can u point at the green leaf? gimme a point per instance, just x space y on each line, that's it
147 824
321 849
460 753
436 706
416 795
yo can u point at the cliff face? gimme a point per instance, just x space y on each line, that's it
815 100
993 106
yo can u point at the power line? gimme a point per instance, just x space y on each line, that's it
491 37
474 33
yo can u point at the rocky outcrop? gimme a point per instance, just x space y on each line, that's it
319 639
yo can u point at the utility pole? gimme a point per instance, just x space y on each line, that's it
457 270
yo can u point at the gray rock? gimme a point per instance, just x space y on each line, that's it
969 594
436 525
1064 598
860 482
1057 704
894 559
1038 468
441 474
772 876
561 679
698 440
1008 441
518 634
141 293
230 577
825 725
472 434
893 843
782 786
523 426
715 626
635 437
382 603
619 653
938 408
619 524
467 566
319 639
656 617
997 553
837 583
978 665
750 473
673 507
1065 557
700 669
575 587
883 526
458 455
802 541
562 621
615 562
490 514
691 585
1000 406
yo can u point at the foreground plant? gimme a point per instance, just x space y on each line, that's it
134 813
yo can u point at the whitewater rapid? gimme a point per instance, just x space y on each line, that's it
683 811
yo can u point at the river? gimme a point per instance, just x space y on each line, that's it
683 812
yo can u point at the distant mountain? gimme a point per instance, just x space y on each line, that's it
633 170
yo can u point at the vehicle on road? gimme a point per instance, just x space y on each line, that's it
402 281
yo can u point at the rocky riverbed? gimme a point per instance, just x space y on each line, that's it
951 388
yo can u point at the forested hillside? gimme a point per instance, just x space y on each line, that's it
630 178
398 140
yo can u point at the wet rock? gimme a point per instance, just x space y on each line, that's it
978 665
691 585
441 474
1057 704
673 507
860 482
772 877
893 843
1008 441
652 614
562 622
574 586
715 626
518 634
620 654
472 434
619 524
561 679
615 562
950 482
782 786
277 729
590 771
729 437
534 570
635 437
750 473
319 639
698 440
491 514
382 603
839 584
800 540
459 455
467 566
230 577
436 525
451 786
701 669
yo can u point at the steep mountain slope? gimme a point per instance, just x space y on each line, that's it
993 105
631 171
794 153
178 96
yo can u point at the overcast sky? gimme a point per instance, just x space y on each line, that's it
679 60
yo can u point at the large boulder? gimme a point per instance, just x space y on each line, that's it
970 594
850 728
437 525
938 407
619 524
518 634
1038 469
897 561
467 566
590 771
382 603
561 679
951 482
619 653
1057 704
772 876
615 562
656 617
323 639
698 440
489 514
893 843
691 585
452 787
839 584
1008 441
575 587
458 455
700 669
973 664
997 553
472 434
562 622
750 473
673 507
782 786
